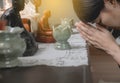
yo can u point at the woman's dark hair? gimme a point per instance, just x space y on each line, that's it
88 10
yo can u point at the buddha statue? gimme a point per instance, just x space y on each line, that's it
12 16
44 32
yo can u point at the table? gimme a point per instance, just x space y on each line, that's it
46 74
64 66
48 55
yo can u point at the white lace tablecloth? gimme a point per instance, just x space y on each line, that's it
48 55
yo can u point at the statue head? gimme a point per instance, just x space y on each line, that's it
37 3
47 13
18 4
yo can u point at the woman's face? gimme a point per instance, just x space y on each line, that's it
110 15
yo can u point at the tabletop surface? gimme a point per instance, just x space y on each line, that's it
48 55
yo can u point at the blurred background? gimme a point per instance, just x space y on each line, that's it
59 9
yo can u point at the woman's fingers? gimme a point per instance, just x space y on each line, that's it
88 29
89 33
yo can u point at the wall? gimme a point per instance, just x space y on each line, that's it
59 9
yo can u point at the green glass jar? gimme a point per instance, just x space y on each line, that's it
12 46
61 34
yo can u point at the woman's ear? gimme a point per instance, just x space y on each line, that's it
114 2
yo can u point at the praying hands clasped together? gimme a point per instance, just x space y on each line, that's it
99 37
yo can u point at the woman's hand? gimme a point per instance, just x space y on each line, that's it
100 38
97 36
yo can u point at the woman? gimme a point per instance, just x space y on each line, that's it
105 13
